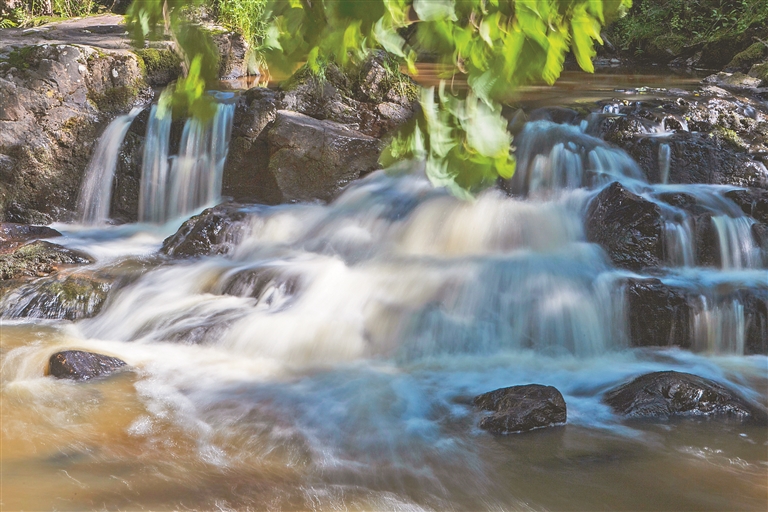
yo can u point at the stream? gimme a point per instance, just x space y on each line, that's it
328 359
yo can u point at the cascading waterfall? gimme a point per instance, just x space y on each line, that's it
664 162
96 192
172 186
737 246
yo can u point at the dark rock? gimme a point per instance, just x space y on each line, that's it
670 393
521 408
233 55
81 366
11 234
659 315
71 298
755 304
743 61
215 231
37 259
753 202
627 226
127 182
311 159
268 285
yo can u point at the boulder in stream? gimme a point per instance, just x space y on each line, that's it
521 408
215 231
671 393
38 259
72 297
81 366
629 227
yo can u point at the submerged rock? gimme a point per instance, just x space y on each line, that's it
627 226
659 315
670 393
215 231
38 259
81 366
521 408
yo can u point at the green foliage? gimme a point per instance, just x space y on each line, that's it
496 44
244 16
678 23
37 12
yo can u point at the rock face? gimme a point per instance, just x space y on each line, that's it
54 100
312 159
753 202
37 259
665 394
12 235
658 314
627 226
214 231
81 366
233 55
521 408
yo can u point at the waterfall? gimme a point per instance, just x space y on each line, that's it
172 186
96 192
737 246
664 161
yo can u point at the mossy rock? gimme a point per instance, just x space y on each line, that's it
160 66
760 71
116 99
38 259
743 61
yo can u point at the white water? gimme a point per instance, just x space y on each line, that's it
96 191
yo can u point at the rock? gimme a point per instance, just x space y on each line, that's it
670 393
127 182
215 231
627 226
736 81
755 304
659 315
161 65
70 298
233 55
753 202
12 234
81 366
37 259
271 287
521 408
743 61
53 104
313 160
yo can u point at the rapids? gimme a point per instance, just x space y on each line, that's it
329 359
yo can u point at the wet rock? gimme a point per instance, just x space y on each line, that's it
755 306
215 231
627 226
659 315
753 202
670 393
521 408
38 259
271 287
12 234
743 61
736 81
162 65
313 160
81 366
53 104
127 182
70 298
233 55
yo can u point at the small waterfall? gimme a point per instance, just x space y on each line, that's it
664 162
679 243
737 246
719 326
194 176
96 192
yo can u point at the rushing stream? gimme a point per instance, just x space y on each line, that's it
329 359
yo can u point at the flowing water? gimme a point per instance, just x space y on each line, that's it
329 360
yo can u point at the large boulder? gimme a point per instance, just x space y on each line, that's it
54 100
670 393
627 226
521 408
13 235
71 298
79 365
659 315
215 231
38 259
313 160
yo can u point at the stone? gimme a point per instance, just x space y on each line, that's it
70 298
659 315
11 232
38 259
627 226
753 202
233 55
215 231
313 160
521 408
670 393
79 365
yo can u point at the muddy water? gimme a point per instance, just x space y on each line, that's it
329 362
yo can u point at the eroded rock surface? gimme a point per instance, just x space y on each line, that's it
38 259
521 408
215 231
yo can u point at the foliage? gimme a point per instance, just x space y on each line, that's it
686 22
36 12
497 44
244 16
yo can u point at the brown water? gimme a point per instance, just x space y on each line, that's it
355 393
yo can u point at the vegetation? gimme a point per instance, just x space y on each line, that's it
28 13
675 24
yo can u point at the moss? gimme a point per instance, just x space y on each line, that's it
760 71
159 66
745 59
21 58
115 98
38 258
728 136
